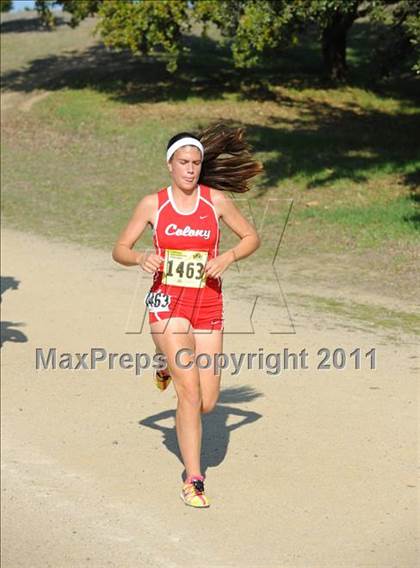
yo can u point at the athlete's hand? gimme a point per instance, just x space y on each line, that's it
150 262
216 266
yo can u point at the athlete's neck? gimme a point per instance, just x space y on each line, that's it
184 198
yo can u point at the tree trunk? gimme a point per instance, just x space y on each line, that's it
334 43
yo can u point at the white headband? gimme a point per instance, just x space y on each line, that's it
187 141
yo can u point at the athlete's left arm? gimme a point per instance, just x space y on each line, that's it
233 218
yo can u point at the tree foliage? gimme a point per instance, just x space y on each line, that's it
398 39
6 5
145 27
334 19
254 29
254 26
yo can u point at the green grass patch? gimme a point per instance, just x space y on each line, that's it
78 162
370 225
368 315
85 158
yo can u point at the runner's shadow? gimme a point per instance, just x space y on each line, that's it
8 328
216 429
8 283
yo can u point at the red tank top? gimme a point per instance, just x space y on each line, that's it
195 230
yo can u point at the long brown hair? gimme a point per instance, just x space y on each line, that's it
228 162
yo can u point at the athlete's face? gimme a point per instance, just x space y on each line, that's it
185 167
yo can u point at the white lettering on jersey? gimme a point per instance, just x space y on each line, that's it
187 231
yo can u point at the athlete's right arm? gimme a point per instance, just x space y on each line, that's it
123 249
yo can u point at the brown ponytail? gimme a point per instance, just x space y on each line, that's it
228 163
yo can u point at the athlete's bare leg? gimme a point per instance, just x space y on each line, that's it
209 343
158 344
173 335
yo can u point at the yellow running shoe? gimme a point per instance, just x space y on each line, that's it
193 492
162 379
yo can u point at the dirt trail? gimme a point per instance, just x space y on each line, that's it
12 100
308 468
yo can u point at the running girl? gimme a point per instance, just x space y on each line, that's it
185 300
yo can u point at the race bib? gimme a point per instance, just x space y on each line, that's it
157 301
184 268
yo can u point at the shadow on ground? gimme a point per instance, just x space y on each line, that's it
28 24
413 182
216 431
9 331
336 144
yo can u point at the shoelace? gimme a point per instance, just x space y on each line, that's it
199 485
163 376
196 487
